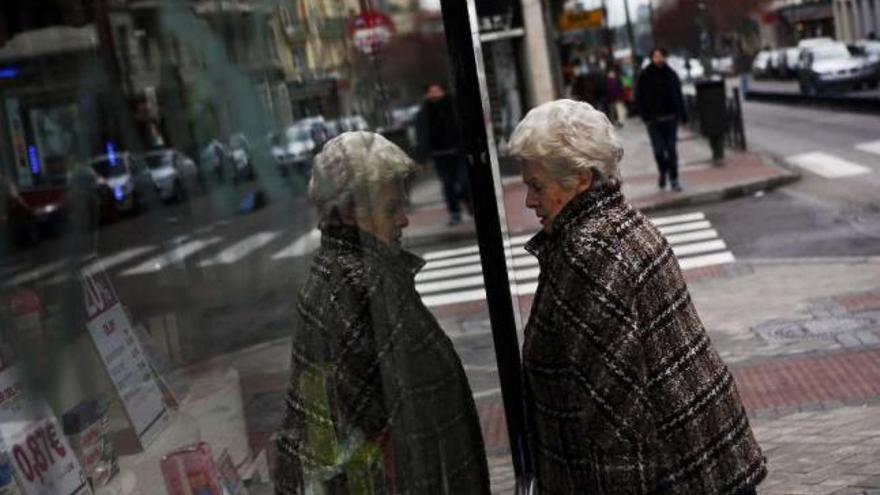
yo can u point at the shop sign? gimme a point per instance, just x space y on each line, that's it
584 19
123 358
34 442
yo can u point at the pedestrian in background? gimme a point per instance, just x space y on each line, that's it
378 401
438 141
661 104
614 96
624 389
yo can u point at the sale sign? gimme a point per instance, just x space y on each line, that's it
123 357
43 460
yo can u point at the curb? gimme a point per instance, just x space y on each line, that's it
786 176
857 104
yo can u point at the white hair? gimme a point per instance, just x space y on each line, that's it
569 137
352 166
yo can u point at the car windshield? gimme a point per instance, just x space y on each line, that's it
830 52
106 168
297 134
158 160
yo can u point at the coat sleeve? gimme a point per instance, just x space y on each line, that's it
681 110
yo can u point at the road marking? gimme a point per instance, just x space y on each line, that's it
37 272
240 249
698 248
687 217
685 227
706 260
454 276
828 166
474 249
302 246
869 147
176 255
700 235
108 262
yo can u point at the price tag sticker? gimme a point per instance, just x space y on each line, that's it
35 443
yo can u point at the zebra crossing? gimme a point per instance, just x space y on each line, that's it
450 276
199 248
454 276
830 166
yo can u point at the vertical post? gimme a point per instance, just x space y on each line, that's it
739 119
462 40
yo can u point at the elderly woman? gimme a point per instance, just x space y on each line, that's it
378 401
625 391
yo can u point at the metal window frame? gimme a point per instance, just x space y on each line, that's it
472 105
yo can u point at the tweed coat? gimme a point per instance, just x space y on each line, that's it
378 401
625 392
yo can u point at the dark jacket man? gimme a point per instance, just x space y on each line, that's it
627 394
658 94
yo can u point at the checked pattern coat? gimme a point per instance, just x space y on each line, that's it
378 401
625 393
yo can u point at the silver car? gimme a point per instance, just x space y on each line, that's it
831 66
173 174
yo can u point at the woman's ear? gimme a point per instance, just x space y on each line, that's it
585 180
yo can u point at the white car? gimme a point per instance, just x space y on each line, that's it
294 149
762 65
240 151
173 173
115 180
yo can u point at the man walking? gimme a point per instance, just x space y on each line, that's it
437 131
658 95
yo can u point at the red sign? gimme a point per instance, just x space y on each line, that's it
371 31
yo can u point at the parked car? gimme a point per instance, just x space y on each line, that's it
215 158
831 66
33 212
173 174
687 69
119 182
867 48
814 42
241 157
762 65
293 150
790 63
723 65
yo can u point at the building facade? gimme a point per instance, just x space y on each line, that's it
856 19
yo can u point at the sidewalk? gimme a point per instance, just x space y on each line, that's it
741 174
806 358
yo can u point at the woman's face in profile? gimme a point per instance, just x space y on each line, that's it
545 194
385 218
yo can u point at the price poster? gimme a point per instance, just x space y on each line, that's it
123 357
34 442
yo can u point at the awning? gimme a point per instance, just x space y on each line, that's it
805 12
50 41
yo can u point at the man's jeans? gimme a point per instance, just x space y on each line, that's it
452 170
664 137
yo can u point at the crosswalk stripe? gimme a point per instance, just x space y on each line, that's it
698 248
687 217
454 297
176 255
240 249
699 235
302 246
869 147
38 272
706 260
515 241
828 166
524 261
685 227
524 274
108 262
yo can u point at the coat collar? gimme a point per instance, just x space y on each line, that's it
354 240
573 213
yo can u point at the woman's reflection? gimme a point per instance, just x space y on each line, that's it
378 400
